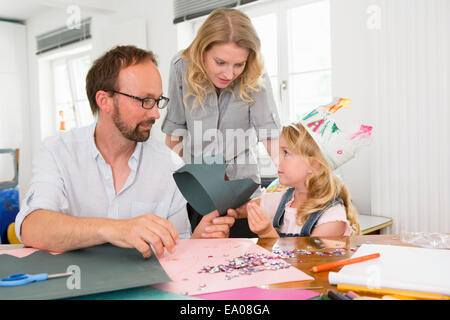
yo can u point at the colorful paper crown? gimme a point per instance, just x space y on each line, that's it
337 146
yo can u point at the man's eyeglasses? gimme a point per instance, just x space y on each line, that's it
147 103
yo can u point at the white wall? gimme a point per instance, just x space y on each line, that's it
14 117
162 40
392 59
411 163
350 39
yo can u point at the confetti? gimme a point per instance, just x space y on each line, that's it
251 263
247 264
285 254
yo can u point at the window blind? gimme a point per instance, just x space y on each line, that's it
190 9
63 36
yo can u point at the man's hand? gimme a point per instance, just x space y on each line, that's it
238 213
213 226
241 212
142 233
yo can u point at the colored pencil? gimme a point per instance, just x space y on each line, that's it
393 292
343 296
352 295
340 263
337 296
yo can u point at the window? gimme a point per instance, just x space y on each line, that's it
71 103
309 49
265 26
296 45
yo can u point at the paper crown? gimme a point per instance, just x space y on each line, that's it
337 146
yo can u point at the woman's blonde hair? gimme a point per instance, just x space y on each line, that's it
222 26
323 185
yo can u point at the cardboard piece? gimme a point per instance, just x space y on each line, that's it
203 185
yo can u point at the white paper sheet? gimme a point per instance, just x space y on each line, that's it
406 268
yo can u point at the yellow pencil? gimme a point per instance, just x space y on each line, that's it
392 297
395 292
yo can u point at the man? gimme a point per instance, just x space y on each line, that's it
107 182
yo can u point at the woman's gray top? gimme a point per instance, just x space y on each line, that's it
225 124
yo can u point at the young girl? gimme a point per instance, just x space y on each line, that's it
310 199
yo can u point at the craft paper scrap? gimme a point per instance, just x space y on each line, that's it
201 266
399 267
22 252
255 293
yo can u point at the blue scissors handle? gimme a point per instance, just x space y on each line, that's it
21 279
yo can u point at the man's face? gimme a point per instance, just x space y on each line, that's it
144 81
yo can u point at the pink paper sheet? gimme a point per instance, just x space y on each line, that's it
21 252
254 293
193 254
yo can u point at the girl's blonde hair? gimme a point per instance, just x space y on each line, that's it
323 185
222 26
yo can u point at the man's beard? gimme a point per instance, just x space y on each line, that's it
131 134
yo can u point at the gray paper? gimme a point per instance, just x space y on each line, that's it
203 185
102 269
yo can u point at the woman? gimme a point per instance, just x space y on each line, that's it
221 103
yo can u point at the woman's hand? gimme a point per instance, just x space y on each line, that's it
259 222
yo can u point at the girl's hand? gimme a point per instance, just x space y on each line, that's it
259 222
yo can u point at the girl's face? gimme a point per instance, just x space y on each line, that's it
292 167
224 62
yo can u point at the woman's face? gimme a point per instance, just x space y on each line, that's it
224 62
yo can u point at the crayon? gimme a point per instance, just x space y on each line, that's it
392 297
331 265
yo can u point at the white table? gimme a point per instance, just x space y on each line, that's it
372 224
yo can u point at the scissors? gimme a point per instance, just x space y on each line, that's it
21 279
